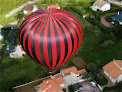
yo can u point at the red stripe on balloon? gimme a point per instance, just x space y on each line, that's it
45 48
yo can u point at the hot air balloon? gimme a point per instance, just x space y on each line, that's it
50 36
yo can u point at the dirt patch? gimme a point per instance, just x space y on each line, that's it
79 63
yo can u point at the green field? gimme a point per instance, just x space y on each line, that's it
102 56
6 6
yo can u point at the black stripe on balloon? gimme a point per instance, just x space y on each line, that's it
65 40
22 27
74 30
22 35
33 43
49 44
69 33
41 44
74 23
27 36
57 43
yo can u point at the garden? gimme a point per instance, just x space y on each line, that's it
25 69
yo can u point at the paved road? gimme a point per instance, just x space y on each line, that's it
88 88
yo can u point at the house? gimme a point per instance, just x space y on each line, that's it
1 37
72 71
30 8
120 0
18 53
118 17
54 6
53 84
100 5
85 15
114 70
57 82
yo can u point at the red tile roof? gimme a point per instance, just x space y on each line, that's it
52 85
70 69
100 3
82 71
53 6
73 69
29 7
118 62
112 69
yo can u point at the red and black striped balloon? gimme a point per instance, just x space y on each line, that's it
50 36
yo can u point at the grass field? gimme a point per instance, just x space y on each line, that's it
103 56
6 6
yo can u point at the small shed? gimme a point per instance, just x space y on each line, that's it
30 8
54 6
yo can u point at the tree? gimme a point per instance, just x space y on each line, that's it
85 76
91 67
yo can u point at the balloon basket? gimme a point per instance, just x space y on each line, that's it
52 72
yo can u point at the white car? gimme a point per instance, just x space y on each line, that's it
7 47
93 83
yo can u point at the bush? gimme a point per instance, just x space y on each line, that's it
71 89
116 88
64 89
100 79
91 67
111 36
107 43
108 17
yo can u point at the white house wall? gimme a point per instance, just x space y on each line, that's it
113 80
106 7
62 85
118 79
25 12
34 9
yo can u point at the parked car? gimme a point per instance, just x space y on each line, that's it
77 87
93 83
7 47
77 81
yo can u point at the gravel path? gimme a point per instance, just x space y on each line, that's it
104 22
19 8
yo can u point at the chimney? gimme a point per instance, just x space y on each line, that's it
118 12
46 82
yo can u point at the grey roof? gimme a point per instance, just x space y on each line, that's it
118 17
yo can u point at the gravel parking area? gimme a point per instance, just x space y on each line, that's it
88 88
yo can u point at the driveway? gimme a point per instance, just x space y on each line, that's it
106 23
69 79
88 88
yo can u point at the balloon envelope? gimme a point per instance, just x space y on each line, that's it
50 36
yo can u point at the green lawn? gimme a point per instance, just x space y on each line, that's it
100 79
102 56
24 71
6 6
